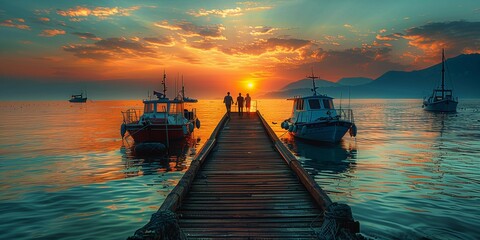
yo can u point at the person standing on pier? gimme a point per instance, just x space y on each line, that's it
228 100
248 100
240 101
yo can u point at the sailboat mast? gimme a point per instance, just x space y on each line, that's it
443 73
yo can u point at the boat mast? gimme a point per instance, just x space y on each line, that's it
164 83
314 89
443 73
183 90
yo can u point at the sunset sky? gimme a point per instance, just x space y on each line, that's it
255 46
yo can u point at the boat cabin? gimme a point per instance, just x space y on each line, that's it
312 108
165 111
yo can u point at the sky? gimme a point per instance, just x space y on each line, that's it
53 46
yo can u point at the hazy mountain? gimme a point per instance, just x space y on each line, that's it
354 81
462 72
307 83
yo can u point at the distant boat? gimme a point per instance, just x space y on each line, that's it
163 119
78 98
442 99
315 118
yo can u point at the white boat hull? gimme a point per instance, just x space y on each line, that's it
331 132
446 105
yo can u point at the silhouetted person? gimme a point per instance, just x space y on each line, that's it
240 101
228 100
248 100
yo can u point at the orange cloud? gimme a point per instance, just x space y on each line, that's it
192 30
15 23
229 12
100 12
87 35
110 48
52 32
262 30
44 19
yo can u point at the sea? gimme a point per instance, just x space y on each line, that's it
66 173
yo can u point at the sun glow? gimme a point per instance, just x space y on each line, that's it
250 85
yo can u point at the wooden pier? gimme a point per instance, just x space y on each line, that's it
244 184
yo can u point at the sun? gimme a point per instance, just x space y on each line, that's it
249 85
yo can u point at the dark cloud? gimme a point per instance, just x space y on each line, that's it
110 48
456 37
164 41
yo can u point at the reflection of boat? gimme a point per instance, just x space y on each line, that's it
317 158
315 118
442 99
78 98
163 119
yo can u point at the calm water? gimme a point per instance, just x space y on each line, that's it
65 173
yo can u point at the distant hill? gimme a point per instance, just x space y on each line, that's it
462 72
307 83
354 81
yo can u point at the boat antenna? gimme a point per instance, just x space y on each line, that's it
341 96
314 89
164 83
443 73
183 89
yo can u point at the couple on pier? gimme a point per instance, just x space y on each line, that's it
228 100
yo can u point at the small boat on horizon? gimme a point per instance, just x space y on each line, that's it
315 118
78 98
442 99
163 119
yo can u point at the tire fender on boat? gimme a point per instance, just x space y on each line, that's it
294 128
197 123
191 127
353 130
304 130
290 128
123 129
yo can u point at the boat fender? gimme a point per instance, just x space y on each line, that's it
123 129
185 130
290 128
191 127
353 130
197 123
294 128
284 125
304 130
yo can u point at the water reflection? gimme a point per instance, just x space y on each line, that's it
175 158
321 157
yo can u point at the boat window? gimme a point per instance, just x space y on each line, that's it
299 104
314 104
176 108
148 108
327 103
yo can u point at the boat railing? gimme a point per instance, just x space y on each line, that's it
131 116
328 114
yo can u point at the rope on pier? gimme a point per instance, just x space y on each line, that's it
338 217
162 225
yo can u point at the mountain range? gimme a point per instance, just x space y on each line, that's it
462 73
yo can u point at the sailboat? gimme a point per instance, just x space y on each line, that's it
442 99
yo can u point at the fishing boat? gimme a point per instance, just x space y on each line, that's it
442 99
78 98
315 118
163 120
